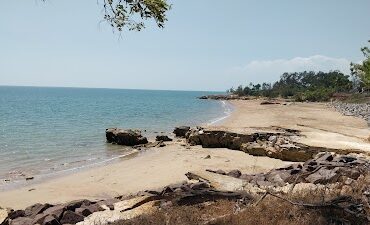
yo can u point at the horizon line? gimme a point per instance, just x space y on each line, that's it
109 88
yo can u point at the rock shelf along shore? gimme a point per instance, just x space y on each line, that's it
251 152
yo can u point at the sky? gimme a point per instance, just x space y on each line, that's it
205 45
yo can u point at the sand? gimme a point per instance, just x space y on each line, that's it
319 125
158 167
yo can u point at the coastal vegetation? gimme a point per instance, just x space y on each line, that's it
361 71
302 86
315 86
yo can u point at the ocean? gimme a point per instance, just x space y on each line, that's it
49 130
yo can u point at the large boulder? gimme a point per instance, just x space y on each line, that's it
125 137
35 209
218 139
181 131
70 217
162 138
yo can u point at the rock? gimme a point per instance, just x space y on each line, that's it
22 221
15 214
70 217
83 211
3 215
278 177
323 157
77 204
35 209
221 172
163 138
294 152
50 220
358 110
253 148
217 181
29 178
125 137
108 203
181 131
56 211
94 207
217 139
39 218
109 217
264 184
323 176
234 173
199 186
347 172
207 157
224 97
161 144
270 103
131 203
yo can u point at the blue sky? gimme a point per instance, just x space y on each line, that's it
206 45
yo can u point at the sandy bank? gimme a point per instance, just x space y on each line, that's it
320 125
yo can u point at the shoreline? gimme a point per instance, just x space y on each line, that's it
19 181
158 167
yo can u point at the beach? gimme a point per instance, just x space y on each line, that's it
155 168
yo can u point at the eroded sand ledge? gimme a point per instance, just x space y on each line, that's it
159 167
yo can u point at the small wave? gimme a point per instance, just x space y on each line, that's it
15 182
228 109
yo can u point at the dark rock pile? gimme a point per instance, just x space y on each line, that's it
47 214
125 137
358 110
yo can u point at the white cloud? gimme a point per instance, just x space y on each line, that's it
270 70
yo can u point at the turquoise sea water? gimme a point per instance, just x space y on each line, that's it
43 130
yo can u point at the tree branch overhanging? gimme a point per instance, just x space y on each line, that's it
131 14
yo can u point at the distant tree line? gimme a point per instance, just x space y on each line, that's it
313 86
302 86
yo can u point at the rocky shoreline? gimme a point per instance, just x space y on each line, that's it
349 109
326 171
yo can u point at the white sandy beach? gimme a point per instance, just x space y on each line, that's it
159 167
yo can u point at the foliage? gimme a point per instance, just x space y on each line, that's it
130 14
302 86
362 70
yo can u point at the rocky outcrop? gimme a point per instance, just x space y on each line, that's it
279 144
224 97
218 139
125 137
325 168
281 147
181 131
